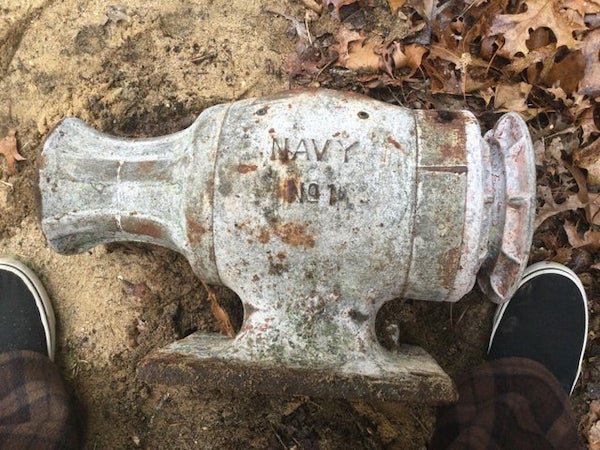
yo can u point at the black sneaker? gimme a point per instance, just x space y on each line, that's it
26 315
546 320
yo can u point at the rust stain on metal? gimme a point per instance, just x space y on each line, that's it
195 231
449 169
293 234
246 168
271 130
394 142
147 166
289 190
453 150
281 255
277 268
447 266
145 227
264 237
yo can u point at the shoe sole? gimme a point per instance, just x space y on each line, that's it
539 269
40 295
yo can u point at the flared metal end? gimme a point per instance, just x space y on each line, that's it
511 202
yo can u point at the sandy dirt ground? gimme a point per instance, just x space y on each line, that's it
146 72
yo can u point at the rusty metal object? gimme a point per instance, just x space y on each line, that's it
315 208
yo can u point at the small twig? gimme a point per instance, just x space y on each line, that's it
462 314
324 67
394 96
159 406
206 56
569 130
278 437
425 429
308 35
7 184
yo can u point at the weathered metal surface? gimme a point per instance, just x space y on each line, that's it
315 208
197 359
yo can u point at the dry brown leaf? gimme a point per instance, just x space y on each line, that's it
413 54
221 316
395 5
591 201
567 73
589 241
590 84
364 56
551 208
344 37
559 94
591 421
594 436
8 148
313 5
589 158
336 5
588 124
583 7
563 255
515 28
223 321
512 97
386 51
530 60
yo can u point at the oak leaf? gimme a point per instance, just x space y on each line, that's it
313 5
516 28
410 57
395 5
591 421
364 56
589 158
590 84
588 124
551 208
512 97
591 201
582 7
8 148
590 240
344 37
336 5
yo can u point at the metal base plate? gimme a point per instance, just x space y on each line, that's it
195 360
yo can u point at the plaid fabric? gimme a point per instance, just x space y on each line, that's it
35 410
510 403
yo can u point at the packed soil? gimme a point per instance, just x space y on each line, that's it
147 70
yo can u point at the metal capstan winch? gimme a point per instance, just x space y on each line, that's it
315 207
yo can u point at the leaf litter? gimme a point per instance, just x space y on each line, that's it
537 57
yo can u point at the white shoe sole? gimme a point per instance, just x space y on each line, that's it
534 270
40 295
